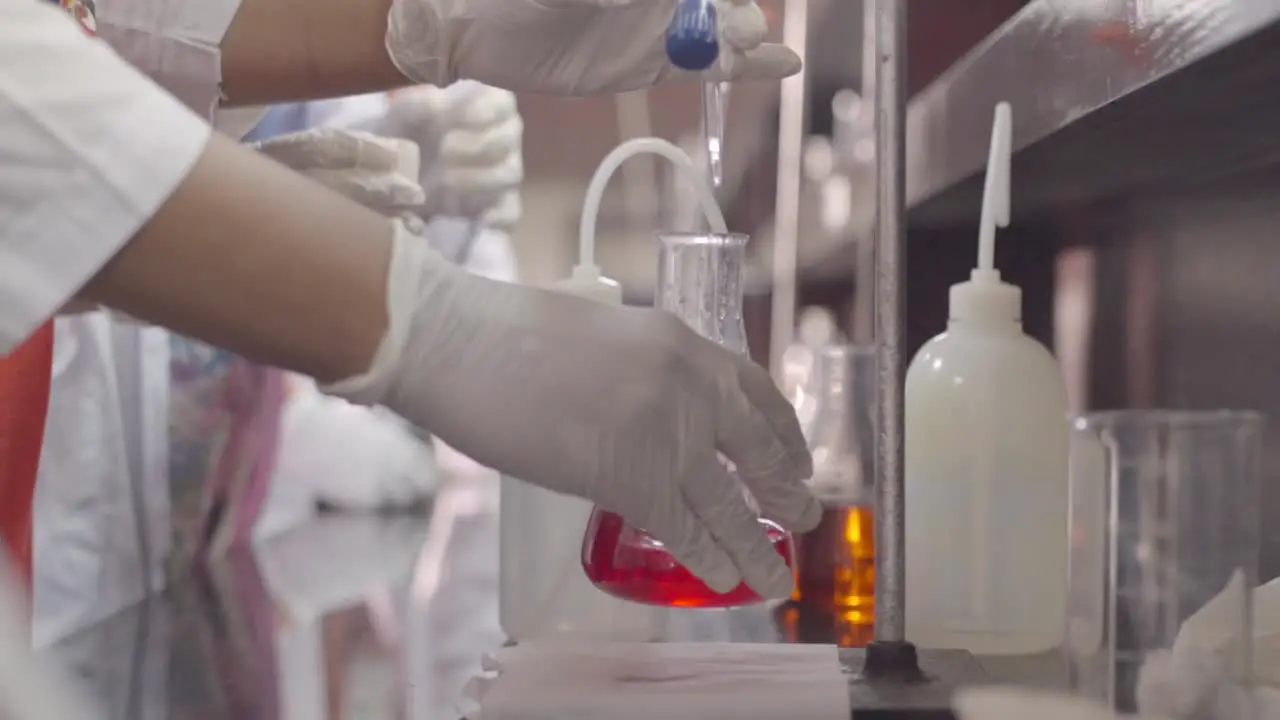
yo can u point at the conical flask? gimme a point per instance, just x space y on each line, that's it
700 281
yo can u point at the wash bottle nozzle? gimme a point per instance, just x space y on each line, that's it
984 296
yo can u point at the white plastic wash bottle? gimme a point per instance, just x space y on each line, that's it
986 436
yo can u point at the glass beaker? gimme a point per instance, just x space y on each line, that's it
815 328
1164 514
835 563
700 282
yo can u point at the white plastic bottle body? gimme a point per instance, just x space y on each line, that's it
986 442
543 592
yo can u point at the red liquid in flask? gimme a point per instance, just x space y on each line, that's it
627 563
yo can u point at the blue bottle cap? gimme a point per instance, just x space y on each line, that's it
692 41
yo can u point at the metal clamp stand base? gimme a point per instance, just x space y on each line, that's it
894 681
892 662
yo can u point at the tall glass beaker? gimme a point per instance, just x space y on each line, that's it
1164 517
835 563
700 282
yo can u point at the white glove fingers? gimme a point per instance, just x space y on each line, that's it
767 62
484 146
484 107
332 149
762 462
781 415
743 25
677 527
761 456
486 180
382 192
715 496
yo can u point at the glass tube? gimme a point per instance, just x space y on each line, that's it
700 282
713 130
835 563
1164 514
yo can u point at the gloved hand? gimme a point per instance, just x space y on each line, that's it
569 47
471 141
626 407
1196 678
379 173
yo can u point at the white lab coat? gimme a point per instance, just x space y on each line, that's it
101 530
90 150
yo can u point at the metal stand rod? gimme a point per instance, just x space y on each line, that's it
889 102
786 225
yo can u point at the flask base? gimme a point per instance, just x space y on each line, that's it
629 564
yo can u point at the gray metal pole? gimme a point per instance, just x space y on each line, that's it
786 216
890 313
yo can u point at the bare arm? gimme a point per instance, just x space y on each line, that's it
249 256
281 50
113 191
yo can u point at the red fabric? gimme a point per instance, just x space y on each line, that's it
25 376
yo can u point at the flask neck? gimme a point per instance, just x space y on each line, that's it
700 282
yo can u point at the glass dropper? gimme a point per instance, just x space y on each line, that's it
713 97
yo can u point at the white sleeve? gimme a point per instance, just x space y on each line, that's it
89 151
175 42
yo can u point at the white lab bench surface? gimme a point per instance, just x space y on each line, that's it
358 616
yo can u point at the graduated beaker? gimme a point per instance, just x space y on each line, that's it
1164 516
700 282
835 563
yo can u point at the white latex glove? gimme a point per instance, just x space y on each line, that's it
471 141
379 173
1266 634
626 407
569 47
1194 678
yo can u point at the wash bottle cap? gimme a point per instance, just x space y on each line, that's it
984 296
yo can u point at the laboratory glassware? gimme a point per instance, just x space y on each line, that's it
835 563
700 282
815 328
1164 514
713 107
986 451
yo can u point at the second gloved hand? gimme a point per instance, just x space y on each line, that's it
471 141
626 407
379 173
